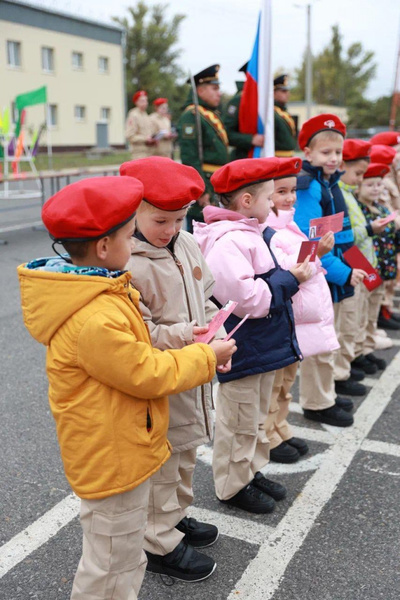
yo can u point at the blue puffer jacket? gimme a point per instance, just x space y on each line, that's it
270 343
317 197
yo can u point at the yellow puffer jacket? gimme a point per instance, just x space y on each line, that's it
106 383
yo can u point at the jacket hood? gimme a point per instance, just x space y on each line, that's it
50 298
219 222
281 220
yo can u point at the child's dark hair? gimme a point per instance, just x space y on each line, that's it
80 249
228 200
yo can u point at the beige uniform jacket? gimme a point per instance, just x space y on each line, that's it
161 125
175 294
138 128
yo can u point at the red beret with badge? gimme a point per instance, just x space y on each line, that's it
159 101
90 209
288 167
356 150
376 170
138 95
324 122
387 138
168 185
241 173
383 154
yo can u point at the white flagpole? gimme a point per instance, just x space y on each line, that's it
265 78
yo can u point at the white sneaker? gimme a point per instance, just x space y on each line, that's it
381 333
382 343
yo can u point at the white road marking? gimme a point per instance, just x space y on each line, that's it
37 534
253 532
381 447
261 578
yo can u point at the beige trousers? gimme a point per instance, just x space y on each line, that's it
389 287
171 492
368 307
113 563
317 382
241 447
346 328
276 426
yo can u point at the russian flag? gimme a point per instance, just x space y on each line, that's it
256 110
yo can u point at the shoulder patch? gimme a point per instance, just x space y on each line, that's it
232 109
188 131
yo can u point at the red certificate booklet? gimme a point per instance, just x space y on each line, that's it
321 226
307 249
357 260
216 322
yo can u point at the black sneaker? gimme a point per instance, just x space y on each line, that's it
357 374
284 454
379 362
365 365
344 403
300 445
184 563
350 388
197 534
271 488
251 499
385 320
331 416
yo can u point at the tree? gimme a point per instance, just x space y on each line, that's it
339 78
151 54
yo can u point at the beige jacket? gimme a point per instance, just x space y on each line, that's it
161 125
138 128
175 294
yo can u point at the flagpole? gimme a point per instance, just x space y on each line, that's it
266 97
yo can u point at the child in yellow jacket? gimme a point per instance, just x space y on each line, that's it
107 386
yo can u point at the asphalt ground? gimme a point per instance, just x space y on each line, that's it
335 537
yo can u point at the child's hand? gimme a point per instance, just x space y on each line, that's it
325 244
357 276
223 350
199 330
377 226
225 368
302 271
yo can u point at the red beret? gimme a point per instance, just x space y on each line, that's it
91 208
325 122
168 185
243 172
159 101
376 170
138 94
383 154
387 138
288 167
356 149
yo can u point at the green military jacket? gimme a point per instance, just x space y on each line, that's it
214 144
285 131
241 142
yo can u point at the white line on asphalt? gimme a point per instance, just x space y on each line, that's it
261 578
253 532
381 447
37 534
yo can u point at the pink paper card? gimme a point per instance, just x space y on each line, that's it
230 334
307 249
389 218
216 322
322 225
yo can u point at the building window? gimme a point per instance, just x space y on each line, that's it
103 64
48 59
80 113
13 54
53 115
105 113
77 60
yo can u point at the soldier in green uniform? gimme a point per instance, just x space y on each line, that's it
242 142
284 124
202 137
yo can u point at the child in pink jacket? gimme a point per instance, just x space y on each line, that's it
314 319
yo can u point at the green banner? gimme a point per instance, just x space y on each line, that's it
38 96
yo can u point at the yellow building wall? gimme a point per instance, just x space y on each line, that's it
66 87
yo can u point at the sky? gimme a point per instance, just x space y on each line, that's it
223 31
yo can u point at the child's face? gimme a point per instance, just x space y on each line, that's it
325 153
262 202
284 195
119 247
354 172
160 226
370 189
